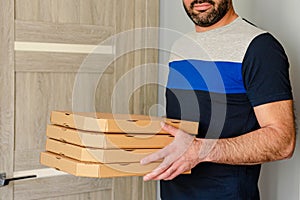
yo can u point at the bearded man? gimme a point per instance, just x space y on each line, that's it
233 78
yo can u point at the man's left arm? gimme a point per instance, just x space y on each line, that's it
275 140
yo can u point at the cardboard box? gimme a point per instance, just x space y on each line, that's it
118 123
105 145
107 141
97 155
96 170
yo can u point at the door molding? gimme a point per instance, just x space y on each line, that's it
40 173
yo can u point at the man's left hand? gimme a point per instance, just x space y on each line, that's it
178 157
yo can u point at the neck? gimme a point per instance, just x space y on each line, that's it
227 19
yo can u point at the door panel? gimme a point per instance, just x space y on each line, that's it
92 12
53 38
60 62
33 31
36 95
133 189
59 186
102 194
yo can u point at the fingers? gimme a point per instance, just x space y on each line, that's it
156 172
171 155
176 169
170 129
174 131
174 173
154 156
162 173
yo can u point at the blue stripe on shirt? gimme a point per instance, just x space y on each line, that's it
218 77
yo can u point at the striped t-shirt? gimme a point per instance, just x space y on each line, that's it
216 78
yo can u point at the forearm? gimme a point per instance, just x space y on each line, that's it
275 140
263 145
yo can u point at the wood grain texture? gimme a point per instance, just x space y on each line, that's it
39 93
125 56
28 159
104 93
36 95
100 195
45 82
152 20
98 12
68 11
36 10
130 61
151 93
62 62
129 188
31 31
7 94
92 12
150 189
54 187
147 99
134 188
151 58
139 58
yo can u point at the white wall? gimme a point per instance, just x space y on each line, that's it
279 180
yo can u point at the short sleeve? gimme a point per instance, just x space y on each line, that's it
266 71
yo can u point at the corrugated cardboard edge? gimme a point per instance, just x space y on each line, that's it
78 137
87 122
77 168
96 155
73 151
106 141
73 120
68 165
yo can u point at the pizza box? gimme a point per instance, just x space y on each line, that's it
118 123
95 154
108 141
97 170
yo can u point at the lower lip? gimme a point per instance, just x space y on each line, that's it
202 6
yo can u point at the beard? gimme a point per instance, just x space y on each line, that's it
207 18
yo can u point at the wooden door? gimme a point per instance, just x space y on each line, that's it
44 44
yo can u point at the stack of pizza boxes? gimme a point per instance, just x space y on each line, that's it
106 145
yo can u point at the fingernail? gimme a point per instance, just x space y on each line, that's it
162 124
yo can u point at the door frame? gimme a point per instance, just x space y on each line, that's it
7 94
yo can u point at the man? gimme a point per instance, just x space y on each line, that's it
244 120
